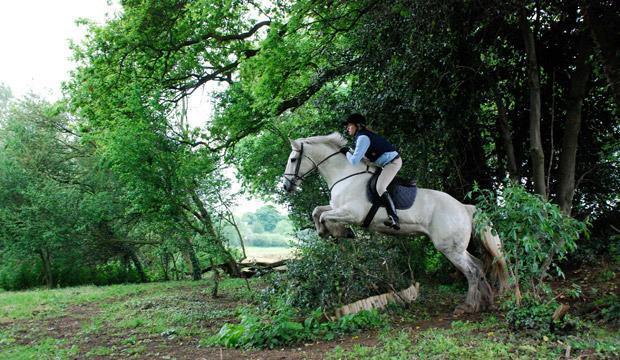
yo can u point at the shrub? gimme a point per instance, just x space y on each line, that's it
534 232
280 328
26 274
19 275
327 274
532 314
609 309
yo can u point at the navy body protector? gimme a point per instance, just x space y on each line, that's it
378 144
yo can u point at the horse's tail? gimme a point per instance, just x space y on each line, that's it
494 261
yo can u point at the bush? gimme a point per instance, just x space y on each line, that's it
27 274
19 275
326 274
280 328
609 309
532 230
531 314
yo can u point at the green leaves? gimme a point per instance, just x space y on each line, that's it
535 233
280 329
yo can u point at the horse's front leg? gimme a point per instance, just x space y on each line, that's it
334 221
316 216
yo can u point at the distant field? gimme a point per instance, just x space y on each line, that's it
256 253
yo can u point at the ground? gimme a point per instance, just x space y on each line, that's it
172 320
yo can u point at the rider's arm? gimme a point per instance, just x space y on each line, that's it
361 146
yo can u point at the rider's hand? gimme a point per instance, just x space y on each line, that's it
344 150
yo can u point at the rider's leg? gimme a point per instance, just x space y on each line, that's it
392 220
389 172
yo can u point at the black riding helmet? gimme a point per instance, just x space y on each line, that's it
356 118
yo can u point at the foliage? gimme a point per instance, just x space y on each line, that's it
281 329
182 313
57 206
531 314
327 274
265 227
535 233
484 339
118 173
614 248
609 308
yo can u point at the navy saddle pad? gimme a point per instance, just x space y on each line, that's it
402 191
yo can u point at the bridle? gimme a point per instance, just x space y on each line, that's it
315 166
296 176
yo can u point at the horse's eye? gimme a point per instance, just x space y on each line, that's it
293 160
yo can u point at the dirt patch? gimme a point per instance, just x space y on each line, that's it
188 348
29 331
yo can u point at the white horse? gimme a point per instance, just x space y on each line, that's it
445 220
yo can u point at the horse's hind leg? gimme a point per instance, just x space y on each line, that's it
479 293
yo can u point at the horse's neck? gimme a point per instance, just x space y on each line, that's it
335 168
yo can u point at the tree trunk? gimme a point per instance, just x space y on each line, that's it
603 20
216 280
174 267
231 265
536 149
568 156
506 138
230 218
137 264
47 268
165 260
190 252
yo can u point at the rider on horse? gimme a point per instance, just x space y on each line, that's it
379 151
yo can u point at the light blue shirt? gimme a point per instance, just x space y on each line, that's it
361 146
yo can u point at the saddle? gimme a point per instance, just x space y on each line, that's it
402 191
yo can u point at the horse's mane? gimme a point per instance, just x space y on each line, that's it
336 139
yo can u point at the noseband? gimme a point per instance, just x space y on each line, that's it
296 176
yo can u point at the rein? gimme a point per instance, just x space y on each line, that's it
296 175
367 171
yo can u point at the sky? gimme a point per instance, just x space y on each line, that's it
35 55
34 41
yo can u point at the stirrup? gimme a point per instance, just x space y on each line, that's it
390 222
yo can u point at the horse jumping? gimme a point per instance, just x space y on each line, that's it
445 220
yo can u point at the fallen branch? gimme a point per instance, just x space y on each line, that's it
249 269
380 301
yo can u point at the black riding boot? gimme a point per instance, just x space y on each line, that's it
392 220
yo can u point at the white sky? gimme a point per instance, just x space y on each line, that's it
35 55
34 41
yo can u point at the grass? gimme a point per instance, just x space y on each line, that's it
47 348
142 320
487 339
44 303
118 317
